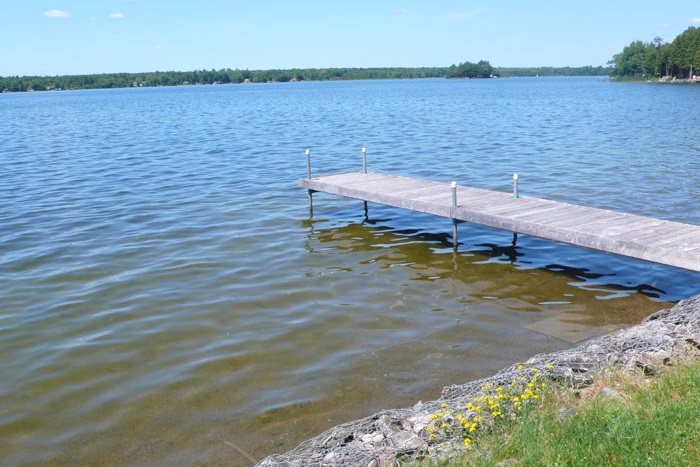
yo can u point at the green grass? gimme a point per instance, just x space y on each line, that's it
651 422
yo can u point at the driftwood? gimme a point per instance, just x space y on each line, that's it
662 339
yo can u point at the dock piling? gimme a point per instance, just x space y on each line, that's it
454 221
364 160
308 162
311 192
364 171
515 186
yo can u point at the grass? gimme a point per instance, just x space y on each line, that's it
623 419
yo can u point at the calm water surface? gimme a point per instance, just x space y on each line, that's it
166 299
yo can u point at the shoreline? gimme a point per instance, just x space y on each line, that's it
662 339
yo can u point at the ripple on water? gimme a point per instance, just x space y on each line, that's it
165 292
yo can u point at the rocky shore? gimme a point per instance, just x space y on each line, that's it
662 339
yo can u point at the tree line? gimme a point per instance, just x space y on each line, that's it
679 59
482 69
223 76
554 71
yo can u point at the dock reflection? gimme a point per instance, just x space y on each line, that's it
423 250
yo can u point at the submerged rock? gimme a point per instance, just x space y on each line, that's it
662 339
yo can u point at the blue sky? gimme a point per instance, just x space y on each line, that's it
56 37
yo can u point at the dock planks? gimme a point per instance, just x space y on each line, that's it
660 241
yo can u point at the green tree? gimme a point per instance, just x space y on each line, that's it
483 69
679 59
632 60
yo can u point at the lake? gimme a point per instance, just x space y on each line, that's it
167 299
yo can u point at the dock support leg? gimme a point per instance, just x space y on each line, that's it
455 239
311 192
366 211
311 203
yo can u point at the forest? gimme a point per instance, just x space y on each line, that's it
677 60
223 76
482 69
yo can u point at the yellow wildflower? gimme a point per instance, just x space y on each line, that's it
467 442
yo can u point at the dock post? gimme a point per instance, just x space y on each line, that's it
515 186
454 221
308 162
311 192
364 171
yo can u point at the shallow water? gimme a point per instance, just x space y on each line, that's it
168 301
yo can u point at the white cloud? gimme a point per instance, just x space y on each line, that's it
57 14
116 15
695 20
463 15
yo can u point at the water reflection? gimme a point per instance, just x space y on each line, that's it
428 251
510 252
587 278
418 316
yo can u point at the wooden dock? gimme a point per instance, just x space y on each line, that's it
656 240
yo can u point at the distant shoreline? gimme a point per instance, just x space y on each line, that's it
661 80
230 76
